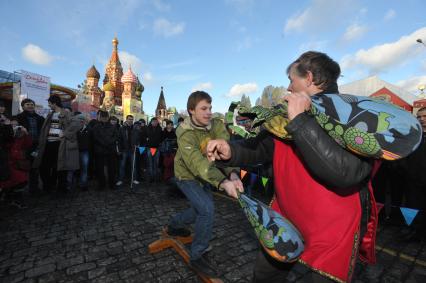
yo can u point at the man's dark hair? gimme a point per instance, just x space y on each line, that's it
142 121
325 71
195 98
113 118
27 100
169 122
76 113
181 119
55 99
129 116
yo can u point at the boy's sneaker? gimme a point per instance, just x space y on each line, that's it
201 265
180 232
136 182
119 183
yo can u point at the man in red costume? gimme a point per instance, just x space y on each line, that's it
319 186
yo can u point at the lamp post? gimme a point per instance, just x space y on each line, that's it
419 40
422 94
421 87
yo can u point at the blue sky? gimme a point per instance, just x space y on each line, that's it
226 47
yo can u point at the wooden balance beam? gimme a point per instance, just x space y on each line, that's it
178 244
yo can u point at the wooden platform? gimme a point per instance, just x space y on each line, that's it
178 244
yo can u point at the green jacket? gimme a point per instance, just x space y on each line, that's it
190 161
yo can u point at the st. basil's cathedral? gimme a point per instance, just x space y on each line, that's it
120 94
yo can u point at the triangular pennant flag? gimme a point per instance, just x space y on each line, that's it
253 178
379 207
264 181
409 214
242 173
141 149
153 150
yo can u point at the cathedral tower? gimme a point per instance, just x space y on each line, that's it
93 89
161 111
114 72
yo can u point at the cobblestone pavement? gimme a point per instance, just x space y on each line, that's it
103 236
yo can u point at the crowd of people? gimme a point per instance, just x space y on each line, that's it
66 148
322 188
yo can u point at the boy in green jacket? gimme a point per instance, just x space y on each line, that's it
194 173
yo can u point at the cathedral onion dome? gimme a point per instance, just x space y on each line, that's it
108 87
139 87
129 77
93 73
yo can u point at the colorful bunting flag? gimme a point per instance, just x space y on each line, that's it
409 214
141 149
264 181
153 150
253 178
242 173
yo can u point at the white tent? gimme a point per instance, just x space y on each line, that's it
370 85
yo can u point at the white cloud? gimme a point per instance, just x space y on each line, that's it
130 60
203 86
313 45
321 15
242 6
236 25
239 89
363 11
246 43
167 29
161 6
385 56
412 84
354 32
36 55
390 14
297 22
142 25
147 78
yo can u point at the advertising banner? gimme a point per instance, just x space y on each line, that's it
37 88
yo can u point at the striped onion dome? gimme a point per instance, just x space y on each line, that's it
129 77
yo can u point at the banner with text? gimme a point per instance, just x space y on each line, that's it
37 88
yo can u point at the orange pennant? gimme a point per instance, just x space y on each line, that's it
153 150
243 173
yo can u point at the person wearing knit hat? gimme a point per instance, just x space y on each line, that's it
33 122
